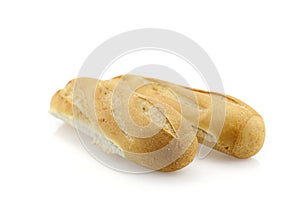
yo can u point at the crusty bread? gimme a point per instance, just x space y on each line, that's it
86 104
242 130
156 123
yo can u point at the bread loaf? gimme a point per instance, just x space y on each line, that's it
242 130
87 104
155 123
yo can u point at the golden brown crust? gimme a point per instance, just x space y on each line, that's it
243 131
251 138
164 151
184 159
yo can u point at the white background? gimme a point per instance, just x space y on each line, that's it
254 44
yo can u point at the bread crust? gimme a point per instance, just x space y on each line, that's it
90 101
243 130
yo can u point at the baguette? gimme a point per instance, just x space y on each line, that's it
86 104
242 132
159 123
